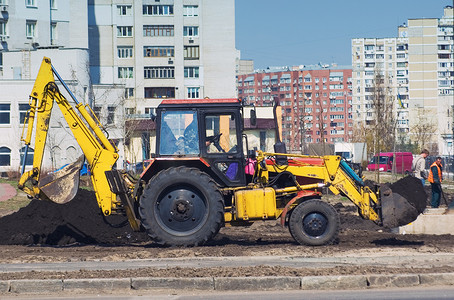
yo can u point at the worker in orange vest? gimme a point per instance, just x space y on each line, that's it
435 178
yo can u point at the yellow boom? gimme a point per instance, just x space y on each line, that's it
101 155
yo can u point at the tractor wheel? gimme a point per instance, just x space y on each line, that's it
181 207
314 223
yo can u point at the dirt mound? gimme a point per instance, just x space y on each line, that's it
78 221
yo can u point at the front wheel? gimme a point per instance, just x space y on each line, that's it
314 223
181 207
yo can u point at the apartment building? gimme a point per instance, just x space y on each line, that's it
417 67
431 77
387 58
316 102
163 49
30 30
114 55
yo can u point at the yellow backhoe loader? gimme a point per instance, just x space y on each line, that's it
199 178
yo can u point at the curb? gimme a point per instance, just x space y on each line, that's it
49 286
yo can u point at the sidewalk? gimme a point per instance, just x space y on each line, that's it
7 191
133 284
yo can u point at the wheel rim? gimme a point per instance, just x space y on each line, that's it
181 211
315 224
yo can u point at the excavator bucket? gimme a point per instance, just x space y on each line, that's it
402 201
61 186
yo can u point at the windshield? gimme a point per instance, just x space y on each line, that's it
382 161
179 133
345 155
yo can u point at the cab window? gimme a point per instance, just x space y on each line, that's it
179 133
220 133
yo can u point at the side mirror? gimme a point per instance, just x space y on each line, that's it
253 117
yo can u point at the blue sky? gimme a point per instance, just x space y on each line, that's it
294 32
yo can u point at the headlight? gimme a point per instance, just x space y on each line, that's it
381 169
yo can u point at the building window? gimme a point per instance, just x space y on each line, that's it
193 92
190 10
5 156
124 10
54 33
158 30
5 111
191 72
30 29
158 51
129 93
110 114
157 10
190 31
131 110
3 29
29 158
97 112
23 112
124 31
30 3
159 92
191 52
125 52
125 72
159 72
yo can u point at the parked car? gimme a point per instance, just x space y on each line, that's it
384 162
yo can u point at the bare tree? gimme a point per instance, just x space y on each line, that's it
384 124
423 132
321 117
299 118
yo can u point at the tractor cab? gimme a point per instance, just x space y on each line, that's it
203 133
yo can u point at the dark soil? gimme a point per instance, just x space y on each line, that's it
411 189
78 221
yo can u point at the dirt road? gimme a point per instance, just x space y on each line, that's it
47 232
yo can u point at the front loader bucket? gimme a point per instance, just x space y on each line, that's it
61 186
402 201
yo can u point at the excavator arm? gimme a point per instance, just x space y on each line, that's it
61 186
334 173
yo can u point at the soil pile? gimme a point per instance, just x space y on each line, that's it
402 202
411 189
78 221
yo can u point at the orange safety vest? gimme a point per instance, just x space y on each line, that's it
431 175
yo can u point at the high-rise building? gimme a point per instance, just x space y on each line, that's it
418 72
163 49
431 79
30 30
114 55
386 58
315 100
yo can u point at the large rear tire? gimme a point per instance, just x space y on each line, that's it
314 223
181 207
